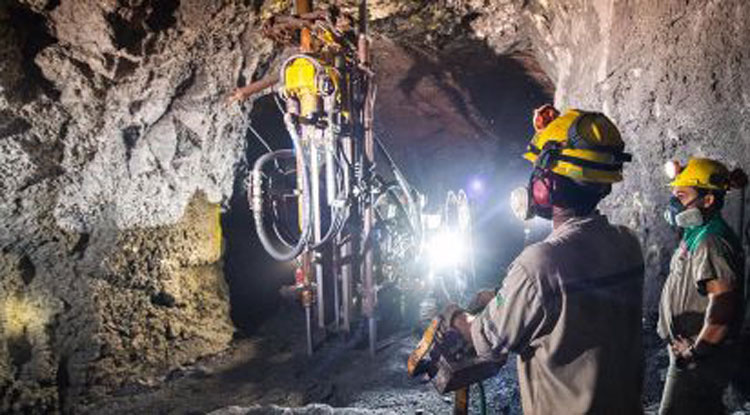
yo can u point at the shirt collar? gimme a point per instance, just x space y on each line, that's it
573 223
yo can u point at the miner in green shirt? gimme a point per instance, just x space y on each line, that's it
701 307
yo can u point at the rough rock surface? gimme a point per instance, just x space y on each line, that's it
316 409
671 75
116 146
129 305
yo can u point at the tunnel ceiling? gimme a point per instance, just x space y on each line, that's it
116 146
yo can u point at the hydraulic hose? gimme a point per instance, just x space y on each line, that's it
336 224
279 234
257 197
257 206
277 219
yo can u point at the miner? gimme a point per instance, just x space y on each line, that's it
700 311
571 305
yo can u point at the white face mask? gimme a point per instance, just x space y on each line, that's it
688 218
677 215
520 203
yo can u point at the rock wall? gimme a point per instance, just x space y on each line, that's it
116 148
669 73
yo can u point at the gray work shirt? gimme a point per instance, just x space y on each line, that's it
571 307
683 300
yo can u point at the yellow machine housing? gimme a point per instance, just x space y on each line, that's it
299 82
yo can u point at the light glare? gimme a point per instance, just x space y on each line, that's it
477 185
446 249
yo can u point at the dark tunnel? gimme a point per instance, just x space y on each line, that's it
254 277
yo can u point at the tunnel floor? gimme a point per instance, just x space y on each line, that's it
271 368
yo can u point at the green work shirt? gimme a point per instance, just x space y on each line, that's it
707 252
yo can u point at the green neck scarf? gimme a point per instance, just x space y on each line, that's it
714 226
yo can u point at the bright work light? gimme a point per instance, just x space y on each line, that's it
446 249
477 185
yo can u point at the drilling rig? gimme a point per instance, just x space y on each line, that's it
357 225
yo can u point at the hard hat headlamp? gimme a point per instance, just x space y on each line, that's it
520 203
672 168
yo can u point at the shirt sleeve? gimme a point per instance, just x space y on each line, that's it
509 321
712 260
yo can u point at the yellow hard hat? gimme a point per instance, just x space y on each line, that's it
703 173
581 145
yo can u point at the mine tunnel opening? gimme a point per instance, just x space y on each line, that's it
254 278
492 96
504 90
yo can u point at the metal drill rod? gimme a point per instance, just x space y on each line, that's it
370 293
346 286
317 227
330 146
369 263
369 283
307 301
308 328
336 291
347 249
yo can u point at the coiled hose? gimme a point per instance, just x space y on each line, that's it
256 201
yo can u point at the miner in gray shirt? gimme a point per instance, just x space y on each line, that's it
701 307
571 305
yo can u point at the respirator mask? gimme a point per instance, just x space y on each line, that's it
534 199
681 216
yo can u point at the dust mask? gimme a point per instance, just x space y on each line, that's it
677 214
